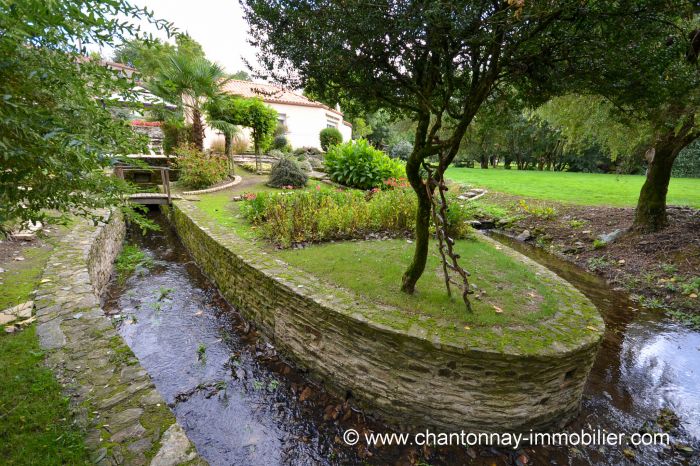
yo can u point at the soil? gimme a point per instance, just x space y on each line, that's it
659 270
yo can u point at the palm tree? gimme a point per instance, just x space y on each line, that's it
190 80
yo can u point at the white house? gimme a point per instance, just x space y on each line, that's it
303 117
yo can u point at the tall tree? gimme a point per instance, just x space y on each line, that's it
652 78
435 61
58 134
190 80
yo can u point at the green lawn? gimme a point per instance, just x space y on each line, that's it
36 426
576 188
373 269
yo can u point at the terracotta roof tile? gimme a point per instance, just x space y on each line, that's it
272 94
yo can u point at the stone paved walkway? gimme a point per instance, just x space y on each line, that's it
126 420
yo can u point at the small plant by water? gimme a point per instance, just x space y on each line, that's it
128 260
202 353
164 292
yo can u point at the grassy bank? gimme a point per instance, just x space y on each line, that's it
575 188
36 426
507 291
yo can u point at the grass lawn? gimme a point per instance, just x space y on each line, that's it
576 188
373 269
35 422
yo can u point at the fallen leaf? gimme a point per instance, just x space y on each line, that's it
305 394
466 327
498 309
693 295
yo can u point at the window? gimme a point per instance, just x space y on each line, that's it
332 121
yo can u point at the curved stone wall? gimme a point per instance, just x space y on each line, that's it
406 377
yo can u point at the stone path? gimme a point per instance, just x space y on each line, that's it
114 399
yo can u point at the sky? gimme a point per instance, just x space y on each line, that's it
216 24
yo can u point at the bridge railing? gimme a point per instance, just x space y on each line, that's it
119 171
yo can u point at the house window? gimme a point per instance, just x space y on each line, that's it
332 121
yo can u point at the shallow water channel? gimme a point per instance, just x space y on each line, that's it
241 404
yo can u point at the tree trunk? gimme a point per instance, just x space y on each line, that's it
650 215
197 129
422 232
484 161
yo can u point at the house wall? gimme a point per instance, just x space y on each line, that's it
303 124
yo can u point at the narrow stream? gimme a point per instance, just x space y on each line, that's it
241 404
646 362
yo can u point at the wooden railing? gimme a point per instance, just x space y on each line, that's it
148 198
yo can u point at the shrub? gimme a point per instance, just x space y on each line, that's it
175 134
276 153
239 145
280 143
305 165
330 137
359 165
199 170
401 150
218 147
307 151
287 173
314 216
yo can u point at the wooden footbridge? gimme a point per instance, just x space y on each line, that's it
149 198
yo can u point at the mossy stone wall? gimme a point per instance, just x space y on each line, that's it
405 378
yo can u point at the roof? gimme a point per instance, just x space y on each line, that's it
273 94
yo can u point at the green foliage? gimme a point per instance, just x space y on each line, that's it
599 244
37 426
149 57
286 173
59 133
189 79
200 170
688 162
315 216
280 143
241 75
401 150
252 113
330 137
360 128
175 133
128 260
540 211
359 165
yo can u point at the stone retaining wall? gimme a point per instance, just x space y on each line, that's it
113 398
407 378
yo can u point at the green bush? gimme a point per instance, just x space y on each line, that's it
359 165
316 216
287 173
175 134
199 170
280 143
330 137
307 151
401 150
